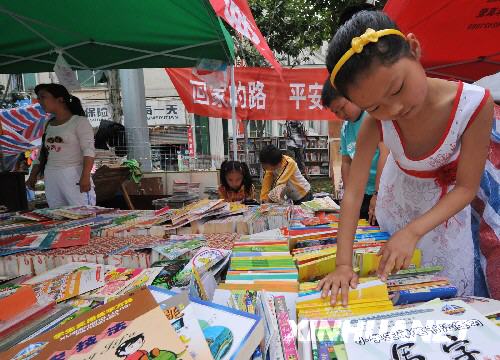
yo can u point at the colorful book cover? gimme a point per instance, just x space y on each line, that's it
131 327
115 281
272 341
61 270
72 237
324 335
286 332
231 334
436 330
69 285
180 312
174 249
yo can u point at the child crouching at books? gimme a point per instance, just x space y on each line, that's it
236 182
282 171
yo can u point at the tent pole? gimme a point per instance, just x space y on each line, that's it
233 115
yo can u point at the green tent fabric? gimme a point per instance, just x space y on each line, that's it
106 34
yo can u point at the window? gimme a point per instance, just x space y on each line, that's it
255 126
202 135
29 81
89 78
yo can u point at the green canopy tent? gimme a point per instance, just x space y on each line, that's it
113 34
109 34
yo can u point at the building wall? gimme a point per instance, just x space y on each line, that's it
159 86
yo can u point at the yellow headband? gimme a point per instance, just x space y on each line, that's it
357 45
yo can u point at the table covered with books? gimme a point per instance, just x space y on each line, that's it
217 280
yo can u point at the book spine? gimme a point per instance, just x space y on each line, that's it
275 347
426 294
287 336
314 342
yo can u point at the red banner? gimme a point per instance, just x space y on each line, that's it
260 94
190 141
238 15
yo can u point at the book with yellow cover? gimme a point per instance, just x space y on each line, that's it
369 296
368 262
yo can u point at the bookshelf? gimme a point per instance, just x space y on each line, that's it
317 155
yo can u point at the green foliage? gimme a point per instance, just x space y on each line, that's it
294 29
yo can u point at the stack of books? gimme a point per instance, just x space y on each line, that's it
371 296
419 285
262 264
314 251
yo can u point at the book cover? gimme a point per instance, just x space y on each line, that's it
180 312
272 342
231 334
15 299
131 327
72 237
72 284
436 330
115 281
286 332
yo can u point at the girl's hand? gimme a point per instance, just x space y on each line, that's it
31 182
339 280
371 210
397 252
85 183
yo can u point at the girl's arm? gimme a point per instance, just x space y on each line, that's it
343 276
88 163
267 183
397 253
85 135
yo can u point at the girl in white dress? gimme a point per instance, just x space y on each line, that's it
67 155
438 133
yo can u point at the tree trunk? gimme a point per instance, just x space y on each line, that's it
115 96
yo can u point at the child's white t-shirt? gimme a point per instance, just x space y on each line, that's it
68 143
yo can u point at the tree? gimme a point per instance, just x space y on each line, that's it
294 29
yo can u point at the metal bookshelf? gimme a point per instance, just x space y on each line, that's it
317 155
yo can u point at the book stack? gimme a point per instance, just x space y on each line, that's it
267 217
115 251
370 296
419 285
314 251
262 264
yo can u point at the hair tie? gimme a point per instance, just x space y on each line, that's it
357 45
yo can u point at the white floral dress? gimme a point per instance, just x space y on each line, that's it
409 187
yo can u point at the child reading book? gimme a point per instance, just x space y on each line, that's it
438 133
353 117
282 170
236 182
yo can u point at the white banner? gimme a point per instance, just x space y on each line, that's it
165 112
159 112
97 111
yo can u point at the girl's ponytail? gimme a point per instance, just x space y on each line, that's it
74 105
